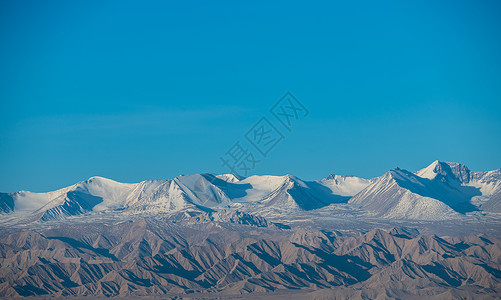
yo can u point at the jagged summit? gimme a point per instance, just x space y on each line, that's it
446 171
439 191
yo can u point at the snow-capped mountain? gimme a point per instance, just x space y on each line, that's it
439 191
344 185
203 192
401 194
289 193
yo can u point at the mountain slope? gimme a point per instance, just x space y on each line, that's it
493 204
96 193
387 197
6 203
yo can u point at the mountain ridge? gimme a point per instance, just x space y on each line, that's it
149 257
436 192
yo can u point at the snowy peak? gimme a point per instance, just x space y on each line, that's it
201 190
344 185
289 195
400 175
232 178
446 172
308 195
439 191
283 194
112 192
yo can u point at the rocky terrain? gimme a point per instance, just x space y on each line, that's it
239 254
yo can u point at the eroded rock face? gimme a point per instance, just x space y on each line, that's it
223 254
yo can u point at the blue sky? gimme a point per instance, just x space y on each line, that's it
135 90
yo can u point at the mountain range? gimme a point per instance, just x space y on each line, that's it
429 233
439 191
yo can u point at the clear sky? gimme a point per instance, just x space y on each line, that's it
135 90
